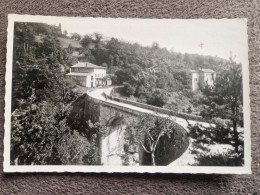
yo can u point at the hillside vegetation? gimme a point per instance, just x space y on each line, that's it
151 75
41 132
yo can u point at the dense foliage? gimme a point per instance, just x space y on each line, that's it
149 132
225 101
148 71
41 101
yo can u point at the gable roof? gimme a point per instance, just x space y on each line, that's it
202 70
87 65
78 74
194 71
207 70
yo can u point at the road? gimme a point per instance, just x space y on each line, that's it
98 94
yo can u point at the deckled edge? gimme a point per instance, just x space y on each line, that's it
8 88
247 108
246 169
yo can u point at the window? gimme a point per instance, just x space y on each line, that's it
91 77
95 75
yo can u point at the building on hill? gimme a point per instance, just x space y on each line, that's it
202 77
89 75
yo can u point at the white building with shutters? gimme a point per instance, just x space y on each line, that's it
89 75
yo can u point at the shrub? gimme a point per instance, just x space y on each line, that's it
158 98
75 149
129 89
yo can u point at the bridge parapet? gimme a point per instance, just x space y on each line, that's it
162 110
98 103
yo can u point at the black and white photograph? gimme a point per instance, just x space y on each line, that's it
127 95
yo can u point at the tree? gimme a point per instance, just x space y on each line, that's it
111 60
35 134
41 96
76 36
129 89
81 147
86 41
148 132
104 64
223 100
155 45
65 33
74 149
158 98
215 134
183 77
116 60
140 91
98 39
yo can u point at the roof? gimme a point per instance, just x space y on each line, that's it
207 70
202 70
88 65
194 71
78 74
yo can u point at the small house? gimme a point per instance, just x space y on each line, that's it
202 77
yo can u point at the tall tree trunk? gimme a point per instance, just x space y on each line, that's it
235 136
24 47
234 120
153 158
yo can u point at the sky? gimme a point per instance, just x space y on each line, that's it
218 37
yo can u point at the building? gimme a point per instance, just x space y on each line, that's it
202 77
89 75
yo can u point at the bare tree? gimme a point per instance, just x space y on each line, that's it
148 132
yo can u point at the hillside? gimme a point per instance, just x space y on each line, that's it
151 75
66 42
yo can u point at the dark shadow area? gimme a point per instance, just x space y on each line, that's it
169 149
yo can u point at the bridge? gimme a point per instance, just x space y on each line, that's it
101 106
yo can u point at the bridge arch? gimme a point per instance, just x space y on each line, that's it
112 144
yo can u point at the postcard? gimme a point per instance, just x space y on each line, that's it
127 95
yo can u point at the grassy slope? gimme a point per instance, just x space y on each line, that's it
64 42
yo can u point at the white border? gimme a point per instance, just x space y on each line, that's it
246 169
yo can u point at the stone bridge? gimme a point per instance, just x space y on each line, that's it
117 114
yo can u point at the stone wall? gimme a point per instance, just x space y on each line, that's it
161 110
105 112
